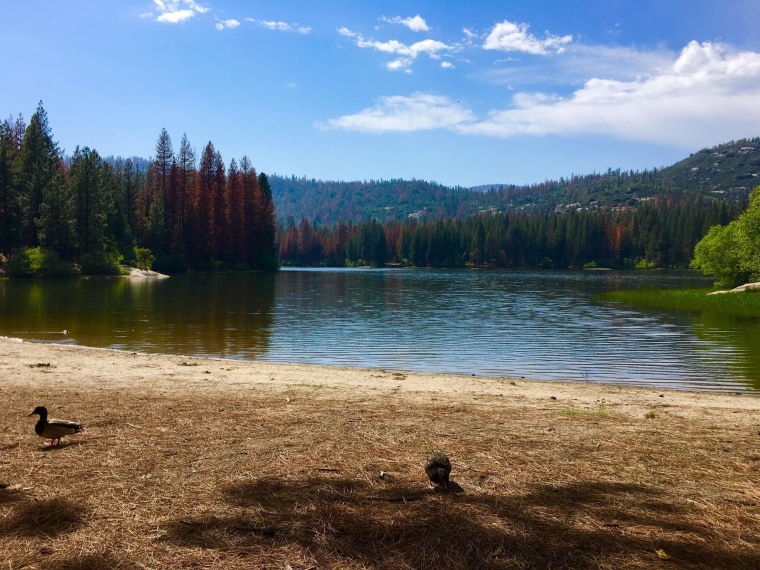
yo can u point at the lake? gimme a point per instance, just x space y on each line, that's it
517 324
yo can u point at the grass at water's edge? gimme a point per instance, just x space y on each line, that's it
745 304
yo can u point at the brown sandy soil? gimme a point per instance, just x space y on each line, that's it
202 463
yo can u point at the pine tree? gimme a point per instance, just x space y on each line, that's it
11 135
266 248
250 196
236 207
162 203
87 189
128 182
54 223
200 241
37 172
186 166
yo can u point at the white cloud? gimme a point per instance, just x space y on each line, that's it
231 24
407 53
708 93
447 65
508 36
281 26
416 23
420 111
176 11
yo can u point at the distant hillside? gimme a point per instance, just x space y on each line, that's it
728 168
725 172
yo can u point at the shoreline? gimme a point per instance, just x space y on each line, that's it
113 368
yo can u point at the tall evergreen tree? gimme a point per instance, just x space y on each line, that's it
37 172
161 207
128 182
186 166
54 222
266 251
200 241
91 200
11 136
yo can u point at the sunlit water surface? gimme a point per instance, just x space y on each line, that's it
536 325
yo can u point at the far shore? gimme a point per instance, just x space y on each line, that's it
211 463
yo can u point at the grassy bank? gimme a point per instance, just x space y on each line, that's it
745 304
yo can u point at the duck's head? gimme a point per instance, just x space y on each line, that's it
40 411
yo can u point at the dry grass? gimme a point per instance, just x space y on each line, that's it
289 477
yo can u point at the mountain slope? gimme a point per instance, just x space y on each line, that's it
725 172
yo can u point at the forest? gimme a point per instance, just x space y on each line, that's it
92 214
651 218
655 233
178 213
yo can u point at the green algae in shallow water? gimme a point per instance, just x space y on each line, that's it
743 305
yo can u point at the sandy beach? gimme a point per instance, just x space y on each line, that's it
205 463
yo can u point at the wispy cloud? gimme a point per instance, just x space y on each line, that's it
230 24
576 64
176 11
508 36
416 23
707 92
420 111
281 26
406 53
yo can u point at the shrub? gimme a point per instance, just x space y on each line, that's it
101 263
38 262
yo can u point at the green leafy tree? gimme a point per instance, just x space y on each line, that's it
716 254
748 237
731 253
144 258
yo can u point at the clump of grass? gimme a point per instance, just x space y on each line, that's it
746 304
650 415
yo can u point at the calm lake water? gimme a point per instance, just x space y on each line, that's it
536 325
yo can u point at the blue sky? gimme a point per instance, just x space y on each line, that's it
461 93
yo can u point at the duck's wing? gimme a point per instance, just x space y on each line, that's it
55 429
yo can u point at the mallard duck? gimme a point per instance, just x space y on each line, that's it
52 429
438 468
